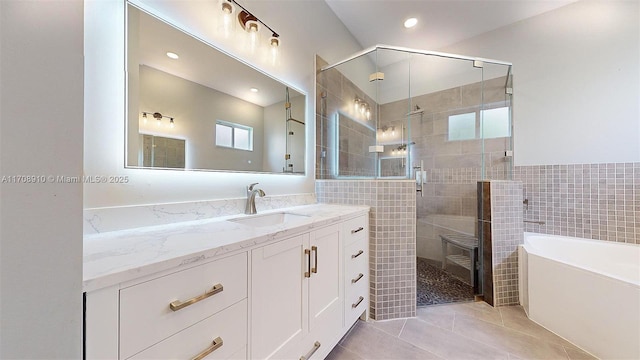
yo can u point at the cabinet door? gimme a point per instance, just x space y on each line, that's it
325 284
279 297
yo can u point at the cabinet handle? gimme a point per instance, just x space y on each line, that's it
316 346
315 262
357 302
308 272
358 254
357 230
353 281
177 305
217 343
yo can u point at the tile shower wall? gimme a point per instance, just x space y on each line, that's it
342 144
594 201
392 249
500 221
452 166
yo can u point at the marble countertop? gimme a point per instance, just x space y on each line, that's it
119 256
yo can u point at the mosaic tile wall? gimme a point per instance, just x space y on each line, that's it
506 234
501 231
392 246
594 201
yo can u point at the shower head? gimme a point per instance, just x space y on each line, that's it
414 112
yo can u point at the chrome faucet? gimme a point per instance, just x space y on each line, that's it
251 199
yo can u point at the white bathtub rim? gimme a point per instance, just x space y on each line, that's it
531 250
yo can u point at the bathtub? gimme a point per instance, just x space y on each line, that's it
586 291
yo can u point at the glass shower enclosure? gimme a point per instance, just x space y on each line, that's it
444 120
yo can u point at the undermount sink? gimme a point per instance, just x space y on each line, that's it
268 219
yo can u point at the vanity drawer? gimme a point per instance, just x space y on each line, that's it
356 301
356 280
354 229
228 326
356 258
147 318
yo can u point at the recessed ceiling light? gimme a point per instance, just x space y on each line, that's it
410 22
172 55
254 90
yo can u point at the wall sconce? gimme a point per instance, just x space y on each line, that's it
158 116
249 23
362 107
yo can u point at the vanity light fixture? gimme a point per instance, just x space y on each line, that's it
158 116
172 55
362 107
249 23
410 22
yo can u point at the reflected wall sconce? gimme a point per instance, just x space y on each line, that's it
362 107
249 23
158 116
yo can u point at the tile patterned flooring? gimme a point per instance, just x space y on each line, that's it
473 330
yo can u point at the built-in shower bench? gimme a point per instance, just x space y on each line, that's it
465 242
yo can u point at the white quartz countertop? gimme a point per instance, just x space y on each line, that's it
120 256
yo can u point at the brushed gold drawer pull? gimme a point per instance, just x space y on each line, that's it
177 305
353 281
308 272
357 302
316 346
217 343
314 269
358 254
357 230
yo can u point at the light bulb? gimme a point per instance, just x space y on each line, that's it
274 43
144 118
368 114
393 132
171 123
356 105
252 29
393 152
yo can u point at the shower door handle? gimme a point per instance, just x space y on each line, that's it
420 175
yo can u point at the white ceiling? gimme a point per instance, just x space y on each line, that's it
440 22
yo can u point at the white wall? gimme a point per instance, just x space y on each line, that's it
576 82
306 28
41 113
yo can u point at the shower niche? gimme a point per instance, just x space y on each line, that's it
443 120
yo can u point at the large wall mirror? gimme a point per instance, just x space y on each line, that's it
204 110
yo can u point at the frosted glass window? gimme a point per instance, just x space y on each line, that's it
462 126
224 135
495 123
241 139
233 135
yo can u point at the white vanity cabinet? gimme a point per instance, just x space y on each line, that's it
296 293
287 297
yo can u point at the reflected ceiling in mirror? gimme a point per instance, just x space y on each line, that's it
230 116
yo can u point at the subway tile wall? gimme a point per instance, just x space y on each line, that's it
593 201
392 246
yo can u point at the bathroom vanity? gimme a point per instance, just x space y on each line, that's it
285 284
